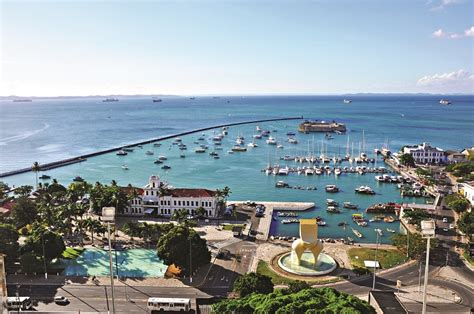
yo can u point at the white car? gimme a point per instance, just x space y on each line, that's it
61 299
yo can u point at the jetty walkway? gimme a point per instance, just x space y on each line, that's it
69 161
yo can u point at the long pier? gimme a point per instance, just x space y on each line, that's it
69 161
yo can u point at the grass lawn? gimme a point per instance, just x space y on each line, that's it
386 258
264 269
71 253
230 226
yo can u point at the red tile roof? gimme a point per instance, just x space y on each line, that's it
128 190
191 193
6 208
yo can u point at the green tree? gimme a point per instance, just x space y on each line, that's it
36 168
466 223
407 160
42 240
23 190
415 216
24 211
180 215
31 262
459 205
253 282
416 244
297 285
9 243
178 244
200 212
312 300
93 226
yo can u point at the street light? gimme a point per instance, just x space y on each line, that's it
108 215
427 231
375 261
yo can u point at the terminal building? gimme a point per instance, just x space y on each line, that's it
425 154
157 198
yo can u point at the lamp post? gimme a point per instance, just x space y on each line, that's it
108 215
427 231
375 260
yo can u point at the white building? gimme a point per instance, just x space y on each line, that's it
157 198
425 154
467 190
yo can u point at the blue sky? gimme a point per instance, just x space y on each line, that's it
236 47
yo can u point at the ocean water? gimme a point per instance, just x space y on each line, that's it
49 130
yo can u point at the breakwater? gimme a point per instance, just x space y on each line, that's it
69 161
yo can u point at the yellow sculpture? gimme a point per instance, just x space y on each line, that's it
308 240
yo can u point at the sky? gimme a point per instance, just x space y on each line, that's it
80 48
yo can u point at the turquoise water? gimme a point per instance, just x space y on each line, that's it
128 263
80 126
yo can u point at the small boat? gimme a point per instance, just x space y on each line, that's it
78 179
182 156
390 230
162 157
252 145
157 162
363 189
281 184
333 209
257 136
331 188
271 141
357 233
379 231
349 205
157 145
213 154
445 102
309 172
149 153
199 150
337 171
321 223
121 153
331 202
230 152
111 99
238 148
389 219
347 101
216 157
166 167
292 140
157 100
127 149
45 177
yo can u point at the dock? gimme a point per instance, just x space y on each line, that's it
69 161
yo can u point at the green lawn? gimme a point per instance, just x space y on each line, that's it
264 269
71 253
386 258
230 226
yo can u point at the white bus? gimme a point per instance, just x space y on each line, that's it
169 304
19 303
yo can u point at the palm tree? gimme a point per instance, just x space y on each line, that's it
180 215
36 168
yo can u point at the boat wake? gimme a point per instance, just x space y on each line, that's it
22 136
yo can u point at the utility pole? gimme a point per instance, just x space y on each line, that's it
44 258
190 263
375 261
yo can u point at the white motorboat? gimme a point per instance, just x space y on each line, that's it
364 189
149 152
292 140
124 167
309 172
283 171
271 141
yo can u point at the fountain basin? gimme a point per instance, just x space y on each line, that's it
308 267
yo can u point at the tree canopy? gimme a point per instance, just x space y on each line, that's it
253 282
415 216
466 223
9 243
457 202
176 246
407 160
311 300
417 245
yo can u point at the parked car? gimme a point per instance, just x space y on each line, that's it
61 299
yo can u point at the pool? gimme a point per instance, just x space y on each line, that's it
128 263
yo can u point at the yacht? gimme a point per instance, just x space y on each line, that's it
331 188
162 158
363 189
347 101
331 202
281 184
308 172
445 102
257 136
333 209
283 171
124 167
271 141
350 205
238 148
121 153
149 152
292 140
44 177
357 233
199 150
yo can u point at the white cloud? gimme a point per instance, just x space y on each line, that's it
469 32
443 4
457 81
439 33
442 34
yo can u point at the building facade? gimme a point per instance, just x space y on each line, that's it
425 154
467 190
156 198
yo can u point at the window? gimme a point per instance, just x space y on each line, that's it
174 202
187 203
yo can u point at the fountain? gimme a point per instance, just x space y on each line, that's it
312 263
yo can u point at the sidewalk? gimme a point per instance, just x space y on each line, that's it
434 294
